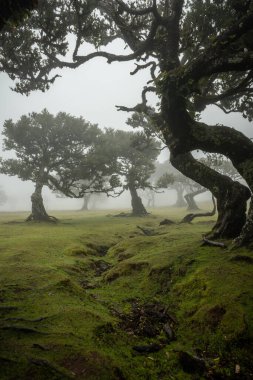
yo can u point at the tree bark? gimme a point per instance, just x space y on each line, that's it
183 135
231 196
137 206
192 205
180 202
39 213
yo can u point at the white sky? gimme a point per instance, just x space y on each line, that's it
91 91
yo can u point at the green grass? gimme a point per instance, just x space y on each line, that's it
65 287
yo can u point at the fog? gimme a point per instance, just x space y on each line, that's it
92 91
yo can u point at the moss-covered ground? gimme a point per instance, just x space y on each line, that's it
92 297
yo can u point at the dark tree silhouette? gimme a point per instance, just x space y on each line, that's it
198 53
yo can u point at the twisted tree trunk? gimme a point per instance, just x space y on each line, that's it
39 213
180 202
192 205
137 206
183 135
231 196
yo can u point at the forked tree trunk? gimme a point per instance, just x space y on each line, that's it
137 206
192 205
38 210
231 196
180 202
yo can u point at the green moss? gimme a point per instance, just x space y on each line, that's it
65 286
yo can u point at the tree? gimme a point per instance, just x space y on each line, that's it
14 11
47 148
90 200
198 53
167 176
134 158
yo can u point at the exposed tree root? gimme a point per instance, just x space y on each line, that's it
213 243
44 218
189 217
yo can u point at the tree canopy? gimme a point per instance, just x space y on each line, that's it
133 156
14 11
48 148
198 53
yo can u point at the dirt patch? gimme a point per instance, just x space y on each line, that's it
148 320
214 316
98 249
100 266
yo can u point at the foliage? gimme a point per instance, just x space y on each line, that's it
13 12
165 180
198 53
134 156
49 149
144 28
222 165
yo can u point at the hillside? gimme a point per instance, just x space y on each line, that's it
93 297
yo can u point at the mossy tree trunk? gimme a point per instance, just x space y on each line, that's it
138 208
183 135
231 196
39 213
192 205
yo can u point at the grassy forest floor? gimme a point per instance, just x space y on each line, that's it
92 297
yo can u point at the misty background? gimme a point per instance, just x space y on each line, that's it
91 91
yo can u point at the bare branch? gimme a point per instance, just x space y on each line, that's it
233 110
153 65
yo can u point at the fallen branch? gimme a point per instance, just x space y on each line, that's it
48 218
189 217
